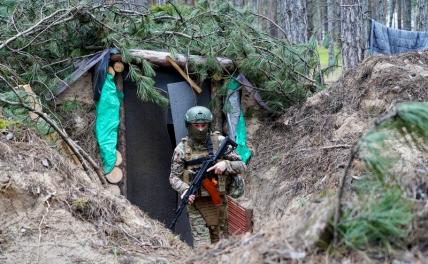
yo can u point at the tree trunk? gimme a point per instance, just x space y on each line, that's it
337 24
295 20
379 10
399 14
318 21
325 18
407 15
331 38
239 3
391 13
310 8
352 33
274 16
421 18
366 27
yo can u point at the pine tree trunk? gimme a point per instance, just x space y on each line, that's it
295 20
391 13
318 21
337 24
407 15
366 27
325 18
421 18
399 13
379 10
331 38
352 33
239 3
310 11
274 16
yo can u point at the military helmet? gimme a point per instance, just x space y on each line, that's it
198 114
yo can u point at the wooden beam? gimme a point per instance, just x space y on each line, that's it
184 75
160 58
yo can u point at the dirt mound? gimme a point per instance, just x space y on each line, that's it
53 213
306 150
300 157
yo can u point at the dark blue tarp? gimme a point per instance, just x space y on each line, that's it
98 62
385 40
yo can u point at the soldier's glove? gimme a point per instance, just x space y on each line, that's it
219 167
191 197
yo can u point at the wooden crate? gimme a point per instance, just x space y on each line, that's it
239 218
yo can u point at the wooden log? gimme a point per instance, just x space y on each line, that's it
33 101
160 58
184 75
114 189
118 158
111 71
116 57
118 66
122 139
115 176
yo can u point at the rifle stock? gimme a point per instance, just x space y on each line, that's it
200 176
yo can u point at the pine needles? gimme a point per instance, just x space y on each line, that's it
381 214
381 218
41 42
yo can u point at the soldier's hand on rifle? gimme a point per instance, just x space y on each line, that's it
191 197
219 167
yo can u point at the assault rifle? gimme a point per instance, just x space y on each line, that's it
200 176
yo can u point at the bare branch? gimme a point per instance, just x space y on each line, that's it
32 28
77 150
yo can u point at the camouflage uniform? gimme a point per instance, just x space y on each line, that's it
207 221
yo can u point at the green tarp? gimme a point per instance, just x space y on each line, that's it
241 139
236 121
107 122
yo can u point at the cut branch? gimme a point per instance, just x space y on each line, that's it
32 28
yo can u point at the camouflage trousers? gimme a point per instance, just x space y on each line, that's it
207 221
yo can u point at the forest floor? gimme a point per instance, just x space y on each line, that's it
53 213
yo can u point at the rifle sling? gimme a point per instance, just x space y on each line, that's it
202 159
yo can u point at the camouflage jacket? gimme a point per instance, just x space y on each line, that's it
234 165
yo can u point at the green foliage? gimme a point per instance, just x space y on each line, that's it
46 56
166 9
19 114
381 215
146 85
70 106
5 124
413 118
81 204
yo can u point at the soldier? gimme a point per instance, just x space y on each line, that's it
206 210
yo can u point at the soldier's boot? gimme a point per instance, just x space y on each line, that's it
214 234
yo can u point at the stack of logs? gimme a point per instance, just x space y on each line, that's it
117 174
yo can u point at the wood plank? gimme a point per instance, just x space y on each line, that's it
184 75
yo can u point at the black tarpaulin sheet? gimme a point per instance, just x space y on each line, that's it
148 153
